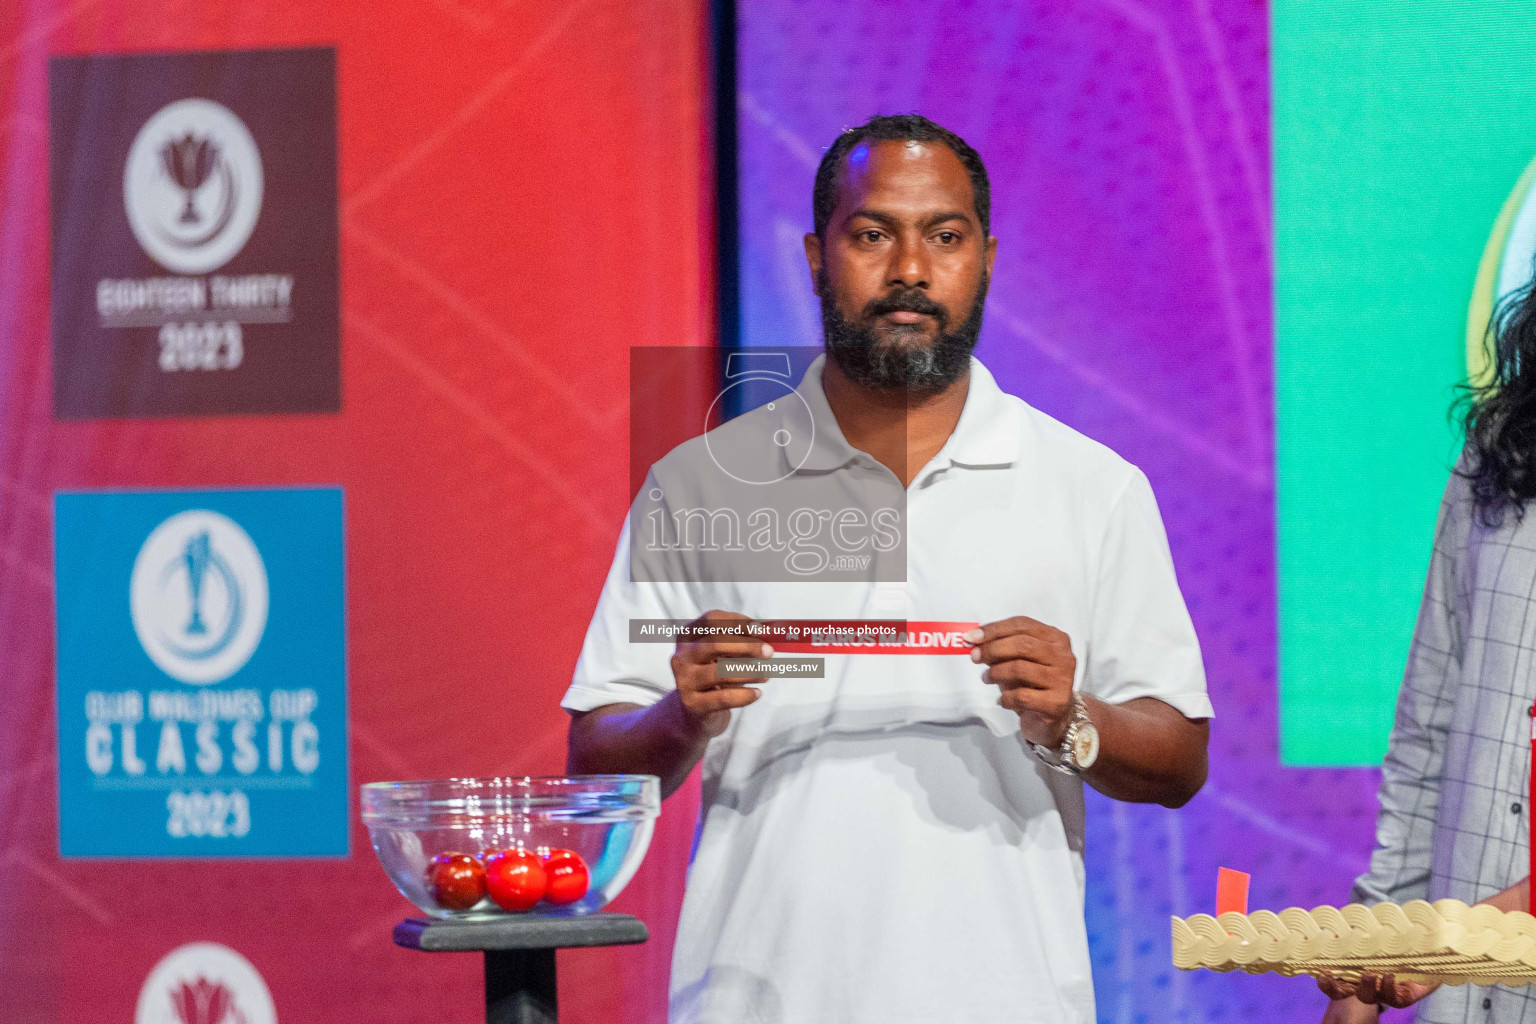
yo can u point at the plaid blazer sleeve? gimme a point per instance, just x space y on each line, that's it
1411 774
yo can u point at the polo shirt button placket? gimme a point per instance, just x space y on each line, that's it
891 600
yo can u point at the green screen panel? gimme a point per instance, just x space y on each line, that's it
1399 131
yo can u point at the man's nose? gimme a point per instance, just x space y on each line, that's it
909 264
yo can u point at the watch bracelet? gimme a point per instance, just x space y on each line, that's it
1064 758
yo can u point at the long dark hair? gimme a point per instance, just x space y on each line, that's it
1499 413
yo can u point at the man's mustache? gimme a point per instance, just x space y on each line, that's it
909 300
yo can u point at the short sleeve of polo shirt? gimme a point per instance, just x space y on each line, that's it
1142 642
612 669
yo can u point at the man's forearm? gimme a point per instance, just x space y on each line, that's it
661 740
1516 897
1148 753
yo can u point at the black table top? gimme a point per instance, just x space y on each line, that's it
520 931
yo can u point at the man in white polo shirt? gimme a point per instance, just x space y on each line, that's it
900 840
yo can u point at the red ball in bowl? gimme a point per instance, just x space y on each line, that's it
455 881
569 878
515 878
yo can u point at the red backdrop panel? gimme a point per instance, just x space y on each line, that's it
523 198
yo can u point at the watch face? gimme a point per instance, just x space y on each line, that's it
1085 745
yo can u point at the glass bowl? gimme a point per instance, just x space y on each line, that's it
606 819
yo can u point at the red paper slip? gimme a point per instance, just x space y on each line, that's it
910 638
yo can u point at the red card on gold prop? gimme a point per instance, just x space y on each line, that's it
1231 891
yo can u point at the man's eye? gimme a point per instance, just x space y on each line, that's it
948 238
869 236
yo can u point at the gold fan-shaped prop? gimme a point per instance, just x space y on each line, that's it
1444 942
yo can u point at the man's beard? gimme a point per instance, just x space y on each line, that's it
889 364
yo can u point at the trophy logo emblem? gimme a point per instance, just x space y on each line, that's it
198 597
197 555
192 186
205 983
190 161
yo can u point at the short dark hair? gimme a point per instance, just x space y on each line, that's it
897 128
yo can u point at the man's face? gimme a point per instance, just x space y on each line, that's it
903 270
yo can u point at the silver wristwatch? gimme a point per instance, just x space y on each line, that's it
1079 747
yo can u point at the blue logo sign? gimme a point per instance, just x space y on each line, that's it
201 674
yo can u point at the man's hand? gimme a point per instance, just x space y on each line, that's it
706 699
1148 751
1350 1011
1362 1000
1032 664
667 738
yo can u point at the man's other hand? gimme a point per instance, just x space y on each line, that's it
1032 664
707 699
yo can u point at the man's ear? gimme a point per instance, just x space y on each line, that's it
991 253
813 257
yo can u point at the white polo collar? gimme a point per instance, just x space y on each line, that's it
986 435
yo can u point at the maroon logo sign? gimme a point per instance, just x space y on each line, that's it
204 983
194 233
